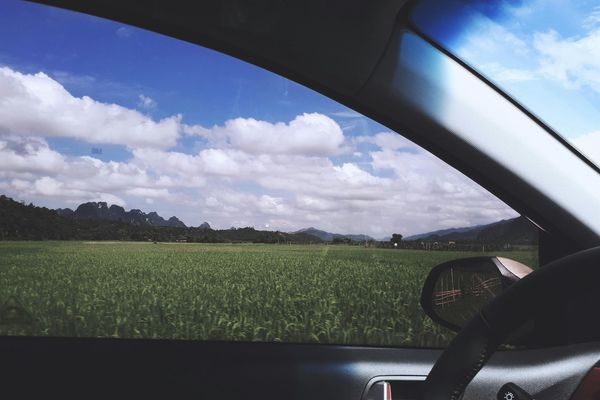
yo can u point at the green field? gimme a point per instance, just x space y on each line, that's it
324 294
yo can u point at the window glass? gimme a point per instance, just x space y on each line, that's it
545 54
156 189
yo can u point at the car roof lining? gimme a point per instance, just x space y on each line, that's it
334 43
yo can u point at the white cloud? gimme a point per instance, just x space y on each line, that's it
124 32
352 174
505 57
423 193
209 162
18 155
244 172
270 205
47 187
487 37
387 140
38 105
508 57
431 193
307 134
148 192
288 192
593 19
221 162
146 102
574 62
30 168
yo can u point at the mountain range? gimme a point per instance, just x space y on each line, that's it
468 232
515 230
96 220
329 237
101 211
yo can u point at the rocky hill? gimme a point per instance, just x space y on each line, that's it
101 210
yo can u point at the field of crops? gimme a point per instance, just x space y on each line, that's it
324 294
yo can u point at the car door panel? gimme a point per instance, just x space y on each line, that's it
190 369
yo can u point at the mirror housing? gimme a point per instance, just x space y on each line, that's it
456 290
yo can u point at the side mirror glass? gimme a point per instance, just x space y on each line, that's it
456 290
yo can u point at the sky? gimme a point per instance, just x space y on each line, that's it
544 53
92 110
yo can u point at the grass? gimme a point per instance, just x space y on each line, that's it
317 294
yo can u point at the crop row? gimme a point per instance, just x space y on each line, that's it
322 294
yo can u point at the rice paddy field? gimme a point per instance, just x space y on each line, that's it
309 294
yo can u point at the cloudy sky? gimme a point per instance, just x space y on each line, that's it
92 110
545 53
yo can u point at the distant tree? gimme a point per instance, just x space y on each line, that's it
396 239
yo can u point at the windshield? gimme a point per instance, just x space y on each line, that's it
545 54
151 188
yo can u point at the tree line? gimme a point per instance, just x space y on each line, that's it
28 222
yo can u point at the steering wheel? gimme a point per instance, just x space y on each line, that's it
481 336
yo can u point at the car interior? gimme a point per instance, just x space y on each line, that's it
536 335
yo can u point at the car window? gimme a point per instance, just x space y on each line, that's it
546 55
156 189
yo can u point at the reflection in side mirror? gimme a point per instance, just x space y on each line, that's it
456 290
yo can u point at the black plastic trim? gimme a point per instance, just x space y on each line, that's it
80 367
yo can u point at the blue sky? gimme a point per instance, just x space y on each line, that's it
204 86
187 131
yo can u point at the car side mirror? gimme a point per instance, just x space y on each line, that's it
456 290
